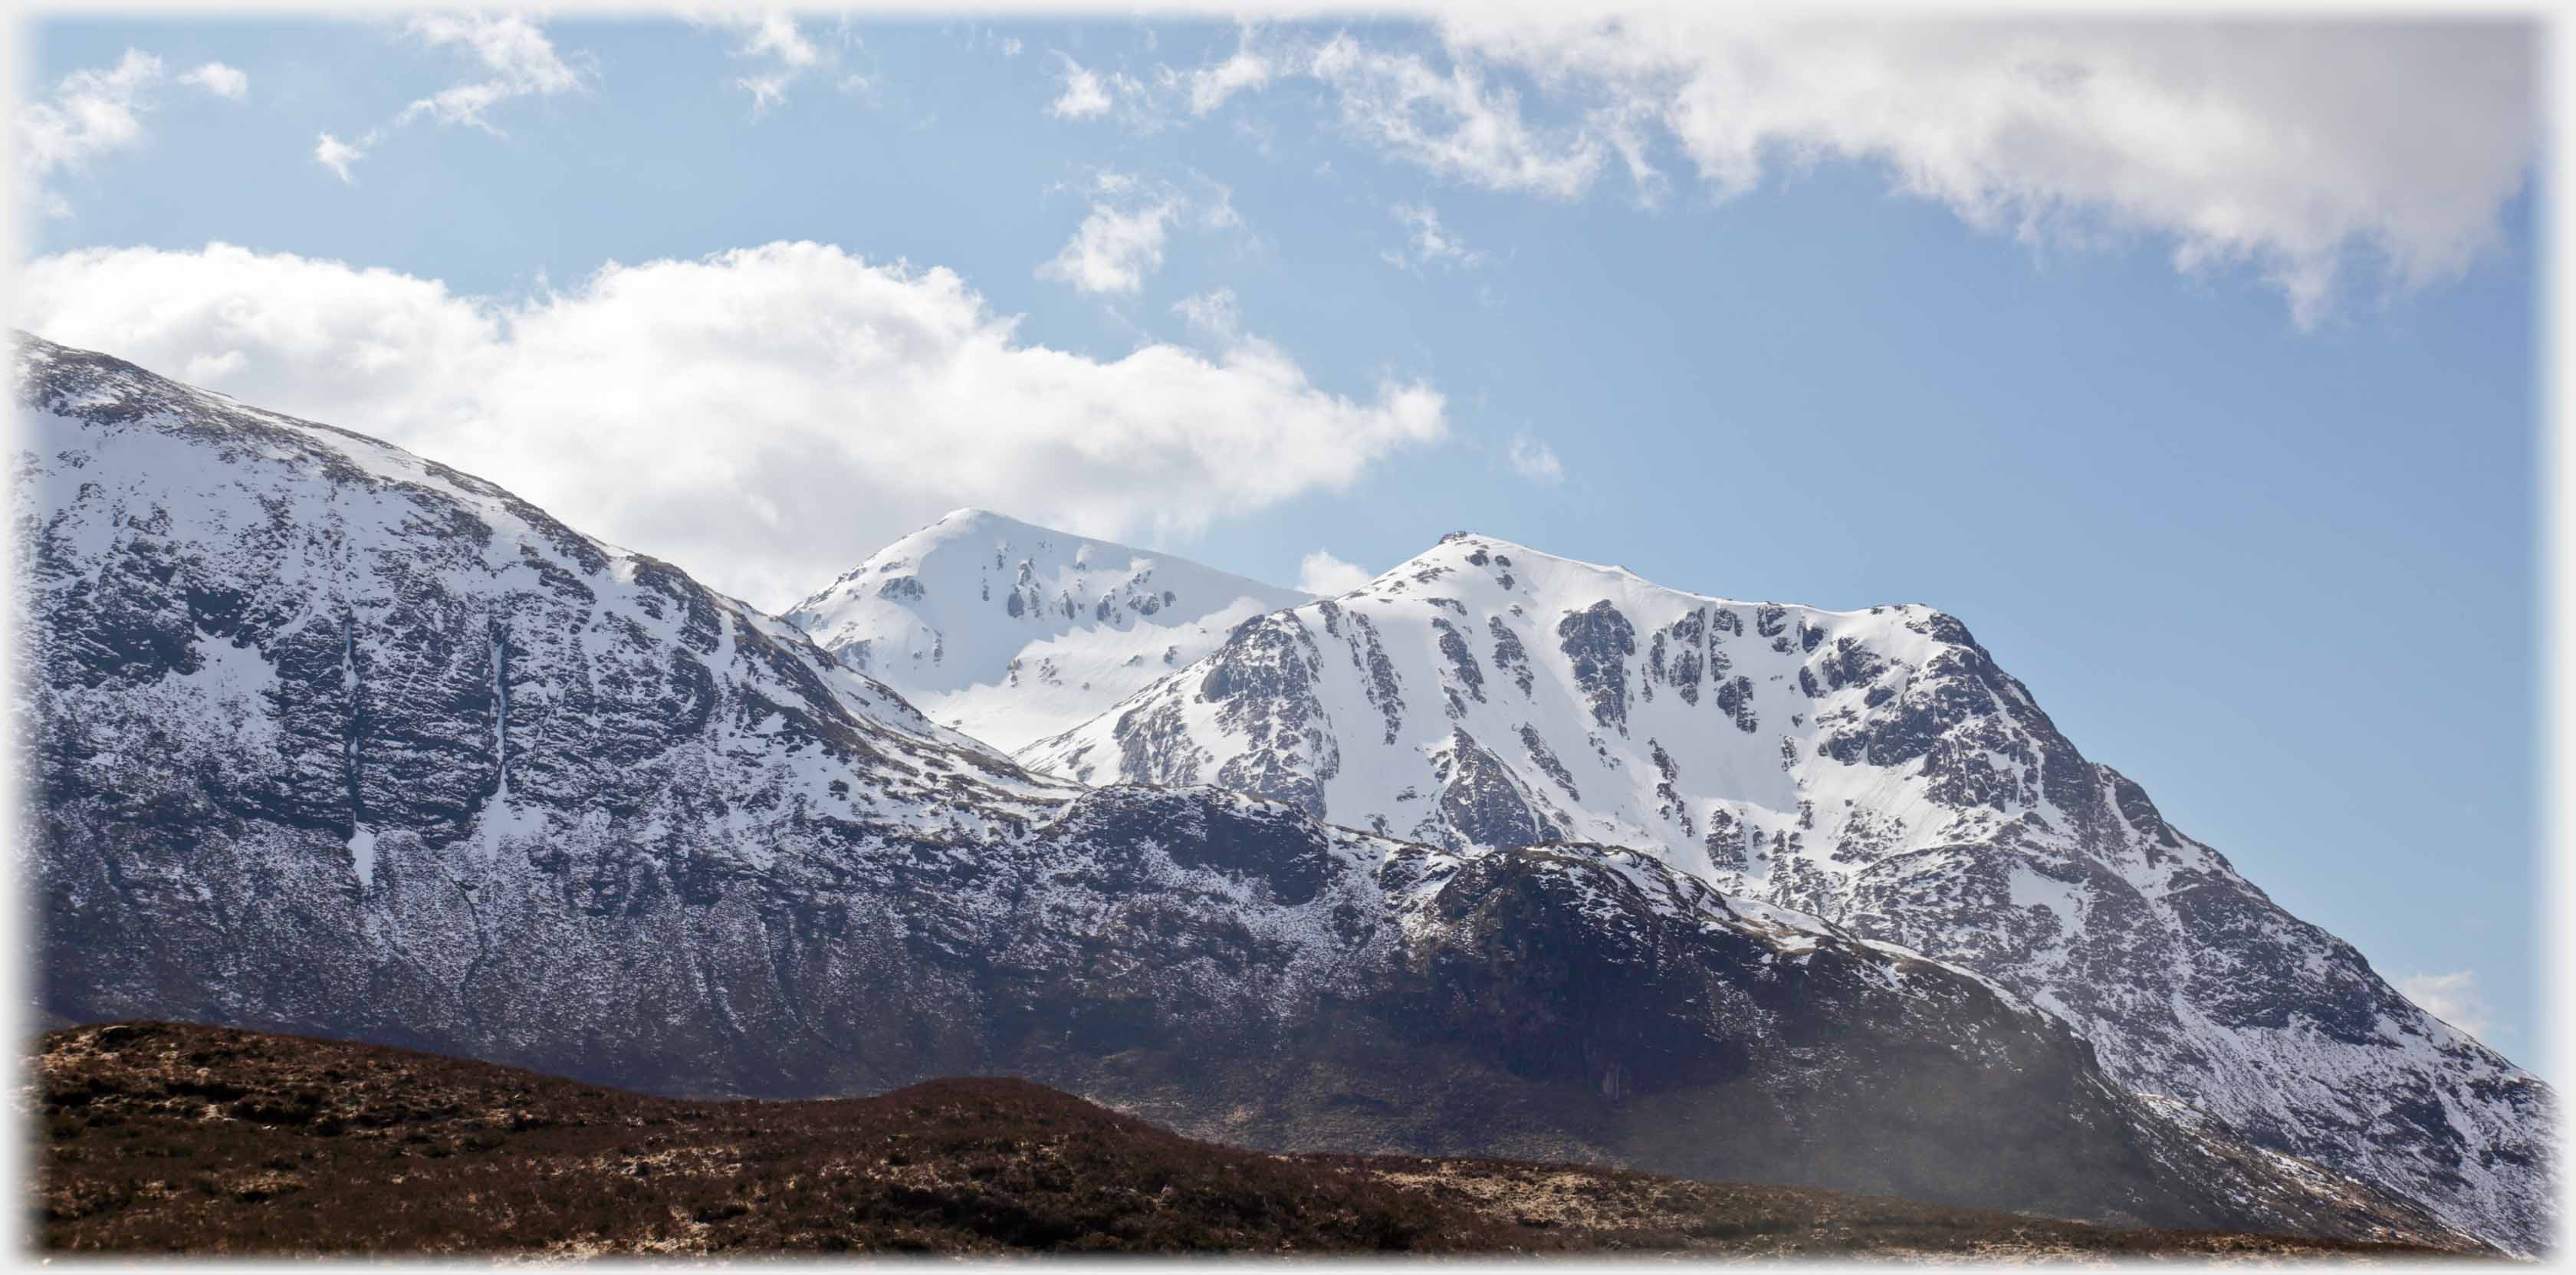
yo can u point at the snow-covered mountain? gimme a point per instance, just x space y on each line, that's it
1871 767
1010 632
320 736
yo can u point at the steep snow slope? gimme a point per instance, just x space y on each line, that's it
1010 632
1873 767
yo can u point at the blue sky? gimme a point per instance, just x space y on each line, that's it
2231 468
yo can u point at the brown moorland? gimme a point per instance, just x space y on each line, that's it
158 1137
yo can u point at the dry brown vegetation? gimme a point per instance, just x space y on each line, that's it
165 1138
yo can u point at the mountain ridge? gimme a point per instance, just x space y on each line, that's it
323 736
1874 767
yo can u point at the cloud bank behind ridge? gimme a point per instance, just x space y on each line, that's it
765 417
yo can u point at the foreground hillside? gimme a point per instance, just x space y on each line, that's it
160 1137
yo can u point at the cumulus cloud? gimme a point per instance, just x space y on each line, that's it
1121 240
2297 151
2454 998
512 58
1429 244
220 80
1324 575
1534 460
96 110
764 416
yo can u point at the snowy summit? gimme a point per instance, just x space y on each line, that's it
1010 632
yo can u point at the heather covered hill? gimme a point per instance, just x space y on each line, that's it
166 1138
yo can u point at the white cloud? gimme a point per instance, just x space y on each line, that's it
1534 460
2294 150
518 59
88 113
1114 249
1210 86
2454 998
768 92
1011 46
514 58
1454 123
220 80
772 39
337 155
764 416
1430 244
1324 575
1121 240
775 34
1214 314
1085 94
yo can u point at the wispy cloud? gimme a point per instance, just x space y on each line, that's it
96 110
1429 244
220 80
1085 95
1534 460
1246 70
1121 240
516 58
2454 998
1213 314
337 155
1453 121
511 57
779 50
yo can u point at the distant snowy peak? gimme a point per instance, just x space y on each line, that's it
1010 632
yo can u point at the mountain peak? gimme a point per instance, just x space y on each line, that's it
1531 570
1009 631
971 518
